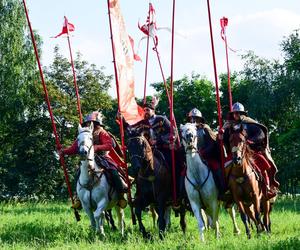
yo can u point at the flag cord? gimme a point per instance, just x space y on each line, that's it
166 89
216 86
121 120
58 145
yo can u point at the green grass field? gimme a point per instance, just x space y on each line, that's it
52 226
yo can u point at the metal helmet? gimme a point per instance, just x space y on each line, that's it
238 107
195 113
94 117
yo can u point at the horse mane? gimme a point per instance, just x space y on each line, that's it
248 156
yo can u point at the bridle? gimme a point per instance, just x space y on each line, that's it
191 148
242 149
81 144
141 139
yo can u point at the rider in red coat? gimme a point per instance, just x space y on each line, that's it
103 147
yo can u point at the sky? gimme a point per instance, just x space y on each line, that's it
257 25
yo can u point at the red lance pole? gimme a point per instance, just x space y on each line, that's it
166 88
74 74
58 145
217 85
121 120
147 56
223 20
171 108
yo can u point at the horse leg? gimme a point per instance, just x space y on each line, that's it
259 224
231 211
99 216
90 215
168 217
138 213
154 215
206 219
182 219
161 219
244 218
110 219
266 217
120 214
196 210
215 217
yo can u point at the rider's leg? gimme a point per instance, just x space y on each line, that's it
272 171
77 203
119 188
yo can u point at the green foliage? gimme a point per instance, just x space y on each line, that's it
189 93
270 92
28 165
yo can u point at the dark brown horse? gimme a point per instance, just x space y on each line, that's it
243 183
153 182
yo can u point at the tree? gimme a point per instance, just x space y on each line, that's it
189 93
18 76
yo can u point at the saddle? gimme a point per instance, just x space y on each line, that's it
108 166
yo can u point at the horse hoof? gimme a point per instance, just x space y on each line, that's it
237 232
147 236
249 236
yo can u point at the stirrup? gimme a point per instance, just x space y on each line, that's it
122 203
77 205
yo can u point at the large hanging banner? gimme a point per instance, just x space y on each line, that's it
124 57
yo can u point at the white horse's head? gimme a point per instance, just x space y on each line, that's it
189 136
85 142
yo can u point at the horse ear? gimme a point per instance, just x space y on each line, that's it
181 127
79 128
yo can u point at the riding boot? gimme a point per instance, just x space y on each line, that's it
122 203
77 203
268 191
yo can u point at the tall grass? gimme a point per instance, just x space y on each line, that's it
52 225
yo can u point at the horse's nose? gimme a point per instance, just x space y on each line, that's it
83 152
237 160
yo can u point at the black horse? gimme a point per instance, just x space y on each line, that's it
153 180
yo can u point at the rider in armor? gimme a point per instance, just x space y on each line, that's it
208 148
258 141
103 144
160 128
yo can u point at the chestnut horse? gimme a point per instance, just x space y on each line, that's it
243 182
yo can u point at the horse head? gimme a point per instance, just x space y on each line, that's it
139 149
189 136
85 142
237 141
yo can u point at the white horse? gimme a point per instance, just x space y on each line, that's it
93 189
199 182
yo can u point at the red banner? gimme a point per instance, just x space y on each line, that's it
67 27
124 57
150 27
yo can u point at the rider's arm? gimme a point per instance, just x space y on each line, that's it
72 150
106 142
